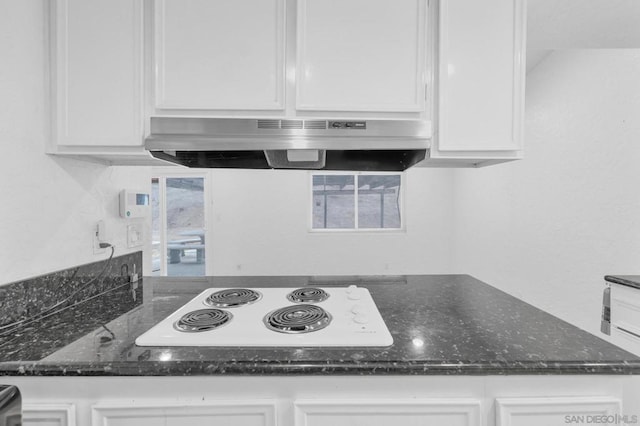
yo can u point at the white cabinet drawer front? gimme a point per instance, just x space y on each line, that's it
392 412
557 411
626 316
625 340
481 75
361 55
231 414
625 309
49 415
219 55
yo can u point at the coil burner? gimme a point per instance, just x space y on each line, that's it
297 319
232 298
202 320
308 295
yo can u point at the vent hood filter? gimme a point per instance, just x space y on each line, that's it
390 145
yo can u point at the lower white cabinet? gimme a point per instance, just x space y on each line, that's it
625 317
43 414
245 413
557 411
311 412
423 412
329 401
626 340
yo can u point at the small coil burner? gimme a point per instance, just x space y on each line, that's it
306 295
232 298
202 320
297 319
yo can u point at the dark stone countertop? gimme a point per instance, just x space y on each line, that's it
628 280
467 326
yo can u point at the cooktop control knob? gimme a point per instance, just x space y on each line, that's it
361 318
358 309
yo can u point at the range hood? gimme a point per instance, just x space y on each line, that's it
384 145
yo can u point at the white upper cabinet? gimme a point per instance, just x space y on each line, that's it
289 58
456 64
97 73
219 55
480 80
361 55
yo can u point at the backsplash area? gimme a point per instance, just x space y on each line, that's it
33 298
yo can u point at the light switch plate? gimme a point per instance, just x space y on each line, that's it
135 235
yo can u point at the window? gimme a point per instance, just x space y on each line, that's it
356 201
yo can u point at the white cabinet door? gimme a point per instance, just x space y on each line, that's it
97 72
556 411
361 55
406 412
244 413
219 55
480 74
44 414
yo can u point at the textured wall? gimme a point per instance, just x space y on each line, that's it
49 205
260 221
548 228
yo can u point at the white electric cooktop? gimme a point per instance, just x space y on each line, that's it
259 317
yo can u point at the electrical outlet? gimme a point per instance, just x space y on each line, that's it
98 236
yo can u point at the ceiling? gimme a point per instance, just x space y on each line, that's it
580 24
583 24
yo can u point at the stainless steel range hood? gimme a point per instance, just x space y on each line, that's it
390 145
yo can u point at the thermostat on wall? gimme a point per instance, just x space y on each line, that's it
133 204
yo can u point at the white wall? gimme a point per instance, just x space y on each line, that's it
259 218
49 205
548 228
260 226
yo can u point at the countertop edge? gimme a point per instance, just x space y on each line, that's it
185 368
626 280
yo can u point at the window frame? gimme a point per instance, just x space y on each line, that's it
356 229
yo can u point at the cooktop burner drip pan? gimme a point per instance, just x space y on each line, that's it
297 319
308 295
202 320
232 298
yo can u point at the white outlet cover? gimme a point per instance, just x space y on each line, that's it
135 235
98 236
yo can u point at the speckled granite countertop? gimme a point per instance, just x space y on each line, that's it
628 280
468 328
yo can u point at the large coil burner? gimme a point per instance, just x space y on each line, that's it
232 298
202 320
308 295
297 319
